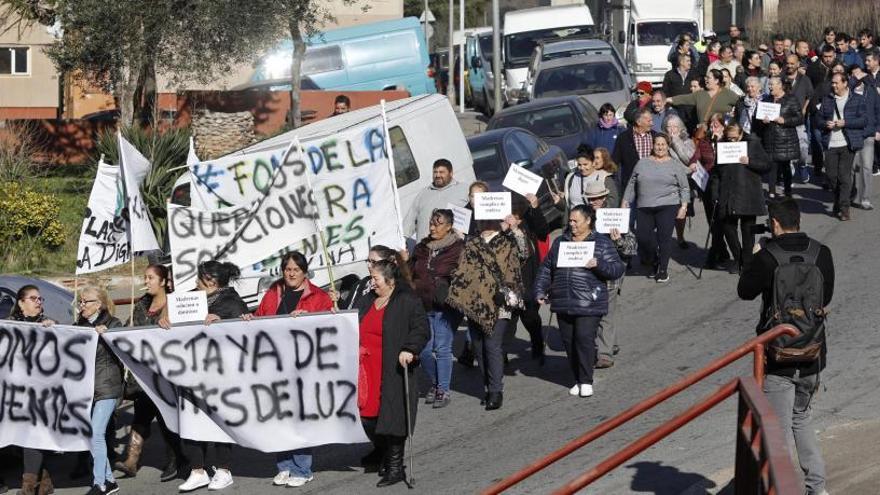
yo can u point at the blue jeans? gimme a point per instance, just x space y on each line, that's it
436 357
297 462
102 410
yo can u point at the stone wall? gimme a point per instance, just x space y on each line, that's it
219 133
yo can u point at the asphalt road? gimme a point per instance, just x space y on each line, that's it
666 332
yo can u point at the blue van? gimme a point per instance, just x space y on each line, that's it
369 57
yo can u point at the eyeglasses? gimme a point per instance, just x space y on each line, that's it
34 299
87 301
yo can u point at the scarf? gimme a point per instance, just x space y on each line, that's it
610 125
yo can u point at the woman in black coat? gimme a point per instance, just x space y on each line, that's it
740 195
394 315
780 136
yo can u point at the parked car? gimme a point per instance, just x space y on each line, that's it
596 77
565 121
58 304
494 152
478 55
556 49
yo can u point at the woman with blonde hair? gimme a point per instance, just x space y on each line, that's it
603 161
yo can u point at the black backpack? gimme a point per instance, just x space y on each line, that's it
797 299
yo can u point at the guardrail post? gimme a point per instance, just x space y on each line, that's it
745 481
759 364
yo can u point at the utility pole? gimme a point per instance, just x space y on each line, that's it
450 72
427 46
461 56
496 52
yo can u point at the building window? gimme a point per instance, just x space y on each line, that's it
14 60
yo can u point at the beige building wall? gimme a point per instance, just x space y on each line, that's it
35 94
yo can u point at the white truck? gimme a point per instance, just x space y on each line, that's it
524 28
650 27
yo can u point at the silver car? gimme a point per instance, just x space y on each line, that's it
598 78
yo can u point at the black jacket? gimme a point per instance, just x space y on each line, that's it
108 369
757 279
674 84
738 188
404 328
781 140
626 156
227 304
536 228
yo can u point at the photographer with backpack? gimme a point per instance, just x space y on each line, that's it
795 277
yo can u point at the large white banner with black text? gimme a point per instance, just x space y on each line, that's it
47 381
271 384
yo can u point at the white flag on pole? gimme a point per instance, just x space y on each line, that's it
103 239
135 167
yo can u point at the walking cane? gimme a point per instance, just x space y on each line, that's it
412 479
708 235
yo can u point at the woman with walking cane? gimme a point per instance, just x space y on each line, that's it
393 332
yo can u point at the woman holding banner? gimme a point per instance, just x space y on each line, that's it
740 195
487 287
393 331
96 311
579 295
224 303
36 478
432 262
294 294
150 310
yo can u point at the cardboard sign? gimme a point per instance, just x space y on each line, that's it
574 254
701 177
612 218
492 206
462 217
732 152
767 110
187 306
521 181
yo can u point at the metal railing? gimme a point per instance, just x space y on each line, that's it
759 429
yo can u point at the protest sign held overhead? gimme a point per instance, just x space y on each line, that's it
492 205
522 181
272 384
134 168
47 381
103 239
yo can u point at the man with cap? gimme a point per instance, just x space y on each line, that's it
606 340
644 92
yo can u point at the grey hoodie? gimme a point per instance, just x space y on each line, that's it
419 215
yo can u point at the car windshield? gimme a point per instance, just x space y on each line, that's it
550 122
664 33
487 163
519 46
576 51
580 79
486 46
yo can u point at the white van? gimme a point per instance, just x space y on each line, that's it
523 29
422 129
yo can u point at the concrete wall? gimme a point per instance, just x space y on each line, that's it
34 95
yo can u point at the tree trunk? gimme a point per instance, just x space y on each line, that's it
125 97
299 50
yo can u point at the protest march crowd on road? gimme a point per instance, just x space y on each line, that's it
733 127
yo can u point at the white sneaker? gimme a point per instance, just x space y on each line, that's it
222 478
196 480
575 390
281 478
586 390
297 481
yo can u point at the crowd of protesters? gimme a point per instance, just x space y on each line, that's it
658 162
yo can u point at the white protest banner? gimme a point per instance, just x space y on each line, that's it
767 110
732 152
232 180
522 181
47 381
612 218
574 254
134 169
462 218
492 205
187 306
701 177
103 239
271 384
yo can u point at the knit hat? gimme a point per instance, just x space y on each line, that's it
644 86
595 189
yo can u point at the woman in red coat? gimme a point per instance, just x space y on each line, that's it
294 294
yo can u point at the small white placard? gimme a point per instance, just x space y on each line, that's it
187 306
612 218
732 152
575 254
767 110
492 205
462 217
520 180
701 177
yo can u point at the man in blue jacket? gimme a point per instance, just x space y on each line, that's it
842 121
864 84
